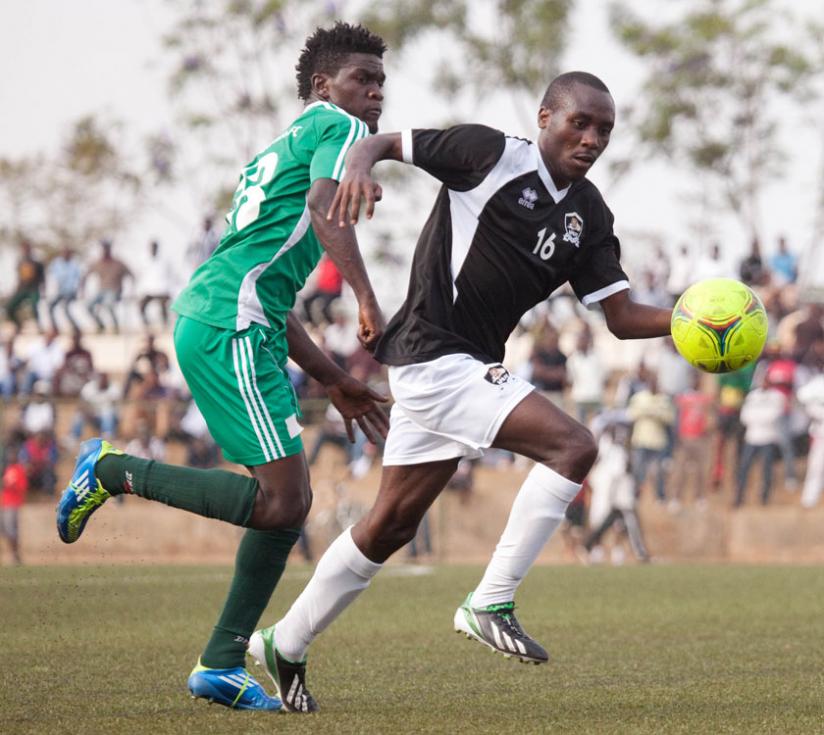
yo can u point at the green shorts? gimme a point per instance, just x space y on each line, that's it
239 382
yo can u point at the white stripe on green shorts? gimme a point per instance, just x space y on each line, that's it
265 410
251 408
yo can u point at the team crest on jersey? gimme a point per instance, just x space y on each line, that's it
574 226
497 375
528 198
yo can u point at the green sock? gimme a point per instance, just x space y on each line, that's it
211 493
260 561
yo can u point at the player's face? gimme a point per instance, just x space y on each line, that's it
357 88
574 135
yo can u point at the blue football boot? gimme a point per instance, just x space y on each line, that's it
235 688
85 493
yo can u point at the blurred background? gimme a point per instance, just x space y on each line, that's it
123 131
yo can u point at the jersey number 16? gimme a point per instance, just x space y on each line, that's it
544 249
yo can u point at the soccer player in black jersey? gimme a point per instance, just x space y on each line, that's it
513 221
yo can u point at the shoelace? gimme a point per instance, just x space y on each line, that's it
510 621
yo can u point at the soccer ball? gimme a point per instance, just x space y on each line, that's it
719 325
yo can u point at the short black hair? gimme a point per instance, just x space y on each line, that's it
560 87
326 51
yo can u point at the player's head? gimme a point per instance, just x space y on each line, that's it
343 65
576 118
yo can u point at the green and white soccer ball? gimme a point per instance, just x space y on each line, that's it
719 325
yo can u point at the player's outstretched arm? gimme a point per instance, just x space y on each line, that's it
627 319
342 247
357 183
355 400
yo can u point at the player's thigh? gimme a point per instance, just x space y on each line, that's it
242 391
538 429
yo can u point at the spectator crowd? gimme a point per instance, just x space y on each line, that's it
685 437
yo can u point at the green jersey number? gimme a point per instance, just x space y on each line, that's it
250 193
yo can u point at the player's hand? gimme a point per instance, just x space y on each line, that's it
356 401
371 325
353 188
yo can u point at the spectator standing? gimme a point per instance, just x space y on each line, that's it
784 264
712 265
682 273
808 331
588 378
111 273
652 413
30 278
46 356
614 495
328 287
811 396
63 279
752 269
733 388
340 336
694 408
12 498
154 284
549 366
762 416
675 376
780 371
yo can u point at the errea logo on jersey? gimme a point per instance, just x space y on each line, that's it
528 198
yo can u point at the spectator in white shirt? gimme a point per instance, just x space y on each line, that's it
45 358
712 265
154 284
811 396
587 378
38 414
681 272
762 416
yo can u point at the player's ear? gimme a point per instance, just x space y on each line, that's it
544 116
320 85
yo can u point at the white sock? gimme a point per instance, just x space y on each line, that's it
342 573
537 511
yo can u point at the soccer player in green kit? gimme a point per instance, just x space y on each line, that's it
234 333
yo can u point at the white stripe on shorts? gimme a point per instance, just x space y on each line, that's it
251 409
264 409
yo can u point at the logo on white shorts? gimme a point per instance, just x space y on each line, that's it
497 375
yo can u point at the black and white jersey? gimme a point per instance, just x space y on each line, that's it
500 239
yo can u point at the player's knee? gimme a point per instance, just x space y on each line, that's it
277 510
392 532
582 449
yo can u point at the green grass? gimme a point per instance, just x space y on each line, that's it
653 649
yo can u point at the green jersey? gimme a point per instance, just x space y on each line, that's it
269 247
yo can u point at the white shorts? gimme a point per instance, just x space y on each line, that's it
449 407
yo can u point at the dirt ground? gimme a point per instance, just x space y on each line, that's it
463 529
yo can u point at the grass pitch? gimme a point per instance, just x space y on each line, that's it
652 649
